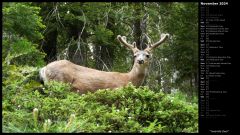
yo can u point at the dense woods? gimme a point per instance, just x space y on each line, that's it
84 33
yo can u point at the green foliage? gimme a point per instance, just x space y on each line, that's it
126 109
182 51
30 107
103 35
21 26
23 52
90 30
23 20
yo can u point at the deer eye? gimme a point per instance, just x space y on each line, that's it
147 56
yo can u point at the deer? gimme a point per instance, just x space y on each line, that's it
83 79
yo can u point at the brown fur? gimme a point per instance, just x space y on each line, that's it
85 79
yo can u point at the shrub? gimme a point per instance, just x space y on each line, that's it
126 109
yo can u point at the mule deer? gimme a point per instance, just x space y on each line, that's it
85 79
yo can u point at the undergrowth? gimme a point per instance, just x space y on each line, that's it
30 107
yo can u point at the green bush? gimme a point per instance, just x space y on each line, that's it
28 106
126 109
21 36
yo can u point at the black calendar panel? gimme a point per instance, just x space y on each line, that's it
215 64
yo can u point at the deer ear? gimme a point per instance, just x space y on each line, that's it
134 44
124 38
148 48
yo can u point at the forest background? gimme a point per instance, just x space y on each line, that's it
84 33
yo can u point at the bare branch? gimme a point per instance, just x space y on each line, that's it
79 39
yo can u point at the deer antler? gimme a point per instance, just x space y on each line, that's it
122 39
153 46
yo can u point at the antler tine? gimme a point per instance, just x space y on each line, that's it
122 39
163 38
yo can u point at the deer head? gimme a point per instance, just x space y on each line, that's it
142 57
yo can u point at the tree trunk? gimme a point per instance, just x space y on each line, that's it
50 46
78 51
140 26
104 53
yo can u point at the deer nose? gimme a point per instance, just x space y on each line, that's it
140 61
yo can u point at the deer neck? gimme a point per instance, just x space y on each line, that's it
138 73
